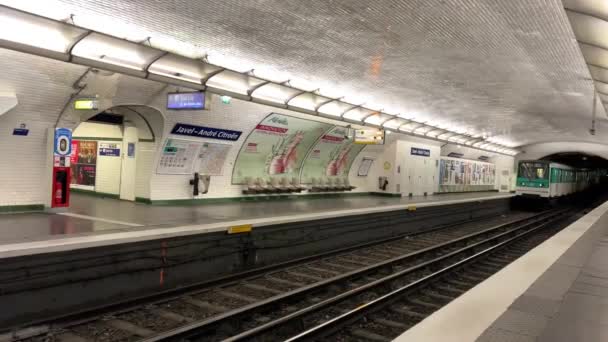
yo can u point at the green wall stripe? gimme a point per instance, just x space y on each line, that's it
21 208
95 193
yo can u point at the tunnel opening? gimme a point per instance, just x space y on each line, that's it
560 178
580 160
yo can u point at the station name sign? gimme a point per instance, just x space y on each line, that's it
205 132
415 151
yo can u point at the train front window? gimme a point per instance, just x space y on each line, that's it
532 170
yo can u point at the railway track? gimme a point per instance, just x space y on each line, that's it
406 299
243 307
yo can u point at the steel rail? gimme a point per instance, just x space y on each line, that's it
335 324
209 324
97 312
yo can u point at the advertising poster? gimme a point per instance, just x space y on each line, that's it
466 172
277 147
83 162
331 156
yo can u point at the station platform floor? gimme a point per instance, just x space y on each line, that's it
93 221
558 292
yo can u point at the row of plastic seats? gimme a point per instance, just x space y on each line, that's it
331 184
284 185
274 186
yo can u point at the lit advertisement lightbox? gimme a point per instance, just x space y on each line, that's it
85 104
369 136
194 100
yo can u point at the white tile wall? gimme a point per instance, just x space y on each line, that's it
42 86
238 115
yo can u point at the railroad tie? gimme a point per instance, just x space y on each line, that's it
354 262
407 312
172 316
368 335
453 290
425 304
205 305
458 283
262 288
390 323
129 327
69 337
437 295
237 296
285 282
344 267
304 275
322 270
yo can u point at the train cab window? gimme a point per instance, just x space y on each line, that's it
533 170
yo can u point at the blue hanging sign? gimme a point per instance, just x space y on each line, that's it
195 100
21 131
415 151
205 132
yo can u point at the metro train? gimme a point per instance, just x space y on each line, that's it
543 178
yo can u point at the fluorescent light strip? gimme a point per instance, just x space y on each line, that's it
59 39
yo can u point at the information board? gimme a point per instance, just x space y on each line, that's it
178 157
212 158
194 100
109 149
364 167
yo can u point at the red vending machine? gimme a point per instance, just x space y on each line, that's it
61 168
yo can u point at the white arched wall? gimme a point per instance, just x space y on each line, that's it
538 151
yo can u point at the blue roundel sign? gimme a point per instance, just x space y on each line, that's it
63 142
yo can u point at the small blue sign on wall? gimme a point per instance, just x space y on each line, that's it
420 152
63 142
205 132
109 150
21 131
131 150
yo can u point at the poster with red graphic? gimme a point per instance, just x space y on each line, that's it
331 156
277 148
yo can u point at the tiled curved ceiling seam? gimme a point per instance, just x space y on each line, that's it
83 46
589 20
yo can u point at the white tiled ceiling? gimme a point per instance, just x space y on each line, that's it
507 69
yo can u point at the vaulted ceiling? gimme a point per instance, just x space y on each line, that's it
511 70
